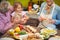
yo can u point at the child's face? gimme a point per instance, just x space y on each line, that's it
19 8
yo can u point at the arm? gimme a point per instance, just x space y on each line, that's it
40 18
58 15
26 17
12 17
42 5
57 20
1 26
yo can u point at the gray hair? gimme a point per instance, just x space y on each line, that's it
4 6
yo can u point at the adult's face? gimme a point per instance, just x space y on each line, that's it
49 2
3 7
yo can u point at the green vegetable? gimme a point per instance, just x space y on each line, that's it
22 33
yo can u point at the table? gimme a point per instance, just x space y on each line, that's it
6 34
58 32
33 21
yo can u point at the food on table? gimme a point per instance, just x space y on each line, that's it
16 36
31 29
17 29
30 33
11 31
21 27
22 37
22 32
32 12
47 32
38 35
27 30
33 37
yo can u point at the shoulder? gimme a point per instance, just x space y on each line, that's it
43 3
13 14
57 7
23 12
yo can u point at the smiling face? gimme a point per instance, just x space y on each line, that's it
18 7
49 2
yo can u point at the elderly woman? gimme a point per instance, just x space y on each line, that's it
49 15
5 21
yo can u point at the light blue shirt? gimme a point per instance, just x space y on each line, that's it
56 13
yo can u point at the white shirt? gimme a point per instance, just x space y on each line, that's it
18 16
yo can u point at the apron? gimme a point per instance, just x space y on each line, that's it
45 23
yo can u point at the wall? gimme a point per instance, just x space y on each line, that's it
25 2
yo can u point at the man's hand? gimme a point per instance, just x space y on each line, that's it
52 21
42 18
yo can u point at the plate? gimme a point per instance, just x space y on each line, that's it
54 38
23 36
6 38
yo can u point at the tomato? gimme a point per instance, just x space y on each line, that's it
21 27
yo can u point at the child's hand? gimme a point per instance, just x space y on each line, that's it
16 21
23 20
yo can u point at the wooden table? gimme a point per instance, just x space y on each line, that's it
33 21
6 34
58 32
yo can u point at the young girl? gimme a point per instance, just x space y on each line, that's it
19 16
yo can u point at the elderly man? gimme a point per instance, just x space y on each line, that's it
5 21
49 15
